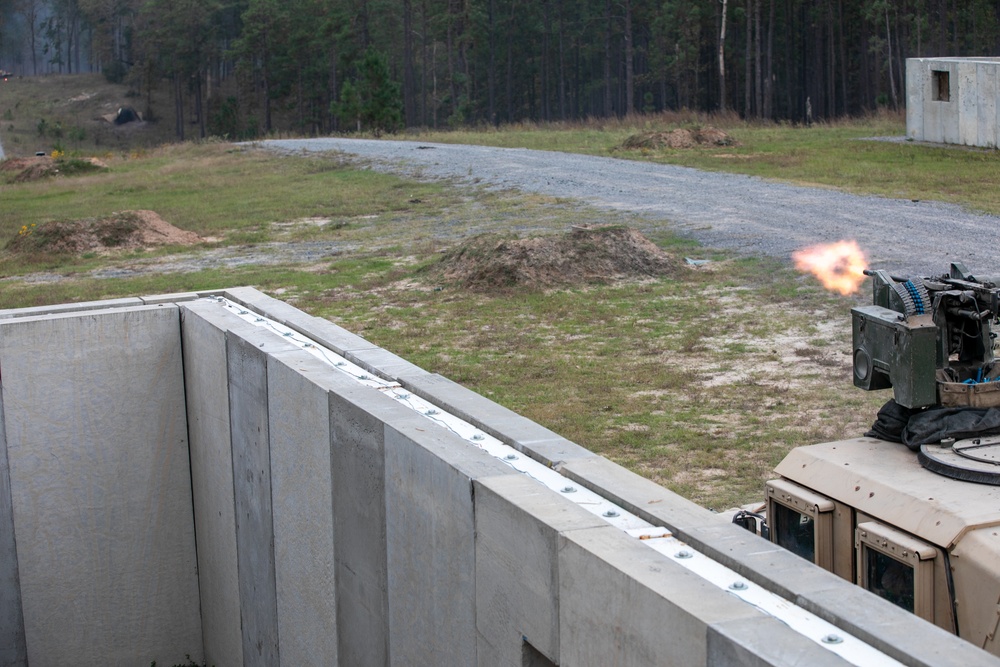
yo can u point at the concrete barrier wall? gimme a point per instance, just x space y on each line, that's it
969 116
100 496
335 526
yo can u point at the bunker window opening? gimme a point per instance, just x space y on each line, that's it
941 86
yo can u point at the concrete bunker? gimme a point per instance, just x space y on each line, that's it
223 476
953 100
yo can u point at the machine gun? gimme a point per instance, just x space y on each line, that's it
929 339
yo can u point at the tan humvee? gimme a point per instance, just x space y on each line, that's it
868 511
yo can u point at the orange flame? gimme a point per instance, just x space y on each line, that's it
838 266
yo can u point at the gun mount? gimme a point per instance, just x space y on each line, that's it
929 339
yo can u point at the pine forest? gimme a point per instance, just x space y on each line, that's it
244 68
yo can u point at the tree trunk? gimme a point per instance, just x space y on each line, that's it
888 43
426 64
300 99
845 104
747 61
267 100
758 91
546 69
510 63
608 109
769 65
199 104
562 66
629 62
491 72
178 108
29 11
722 60
409 78
450 42
331 118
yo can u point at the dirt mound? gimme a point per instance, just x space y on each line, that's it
125 230
24 169
680 138
585 255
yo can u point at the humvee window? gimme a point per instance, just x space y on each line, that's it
890 579
801 521
896 567
795 531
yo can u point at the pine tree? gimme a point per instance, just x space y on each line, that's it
373 101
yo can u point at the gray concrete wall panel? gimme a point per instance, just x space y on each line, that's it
902 636
326 333
13 652
986 83
760 561
330 335
764 642
489 655
97 446
430 543
940 118
177 297
996 104
968 104
518 523
357 426
259 302
384 363
624 604
248 424
302 501
641 496
206 383
933 111
63 308
917 89
970 116
507 426
949 113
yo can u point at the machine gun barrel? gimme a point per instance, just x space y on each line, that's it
872 272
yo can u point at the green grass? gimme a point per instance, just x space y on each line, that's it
212 188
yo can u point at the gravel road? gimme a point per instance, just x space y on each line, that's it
741 213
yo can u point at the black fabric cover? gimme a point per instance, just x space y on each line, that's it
923 427
892 419
126 115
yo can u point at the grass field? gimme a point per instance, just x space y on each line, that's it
702 380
